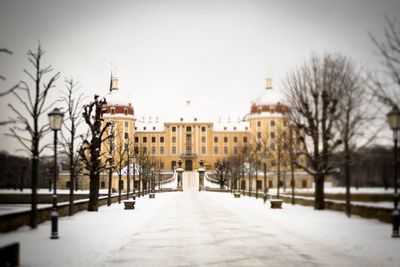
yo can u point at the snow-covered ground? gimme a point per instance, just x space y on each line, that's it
194 228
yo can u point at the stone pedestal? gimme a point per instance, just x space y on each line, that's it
201 172
129 204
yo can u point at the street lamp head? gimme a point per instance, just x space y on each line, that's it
56 119
393 118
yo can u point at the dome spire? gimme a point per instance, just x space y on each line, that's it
269 79
113 81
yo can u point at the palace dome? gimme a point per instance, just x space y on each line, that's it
270 101
118 101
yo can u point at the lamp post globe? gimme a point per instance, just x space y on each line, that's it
393 118
55 122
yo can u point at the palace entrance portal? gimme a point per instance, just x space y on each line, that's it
188 165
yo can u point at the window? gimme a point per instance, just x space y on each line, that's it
173 139
121 185
188 129
203 129
235 139
245 139
125 111
246 128
225 139
272 123
136 149
112 111
103 184
173 128
162 150
273 162
144 150
258 123
144 139
153 150
225 128
272 135
126 147
259 185
126 135
203 139
136 139
174 150
234 128
154 128
215 150
258 147
161 139
144 128
203 150
68 184
272 146
162 165
259 135
126 124
225 150
215 139
173 165
153 139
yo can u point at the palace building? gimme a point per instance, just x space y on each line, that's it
265 130
190 138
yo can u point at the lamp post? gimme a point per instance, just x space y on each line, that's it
110 170
393 118
111 162
55 121
264 162
128 167
134 175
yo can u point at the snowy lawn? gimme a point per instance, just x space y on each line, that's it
206 228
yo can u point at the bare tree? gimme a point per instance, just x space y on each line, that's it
279 147
90 151
120 152
387 87
313 91
222 169
292 147
28 129
354 124
73 101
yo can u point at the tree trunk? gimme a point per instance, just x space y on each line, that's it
94 192
347 174
34 173
119 187
319 203
71 184
293 182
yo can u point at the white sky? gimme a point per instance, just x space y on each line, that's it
214 53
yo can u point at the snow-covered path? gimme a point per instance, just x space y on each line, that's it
190 181
194 228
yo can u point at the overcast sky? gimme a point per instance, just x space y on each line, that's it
214 53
